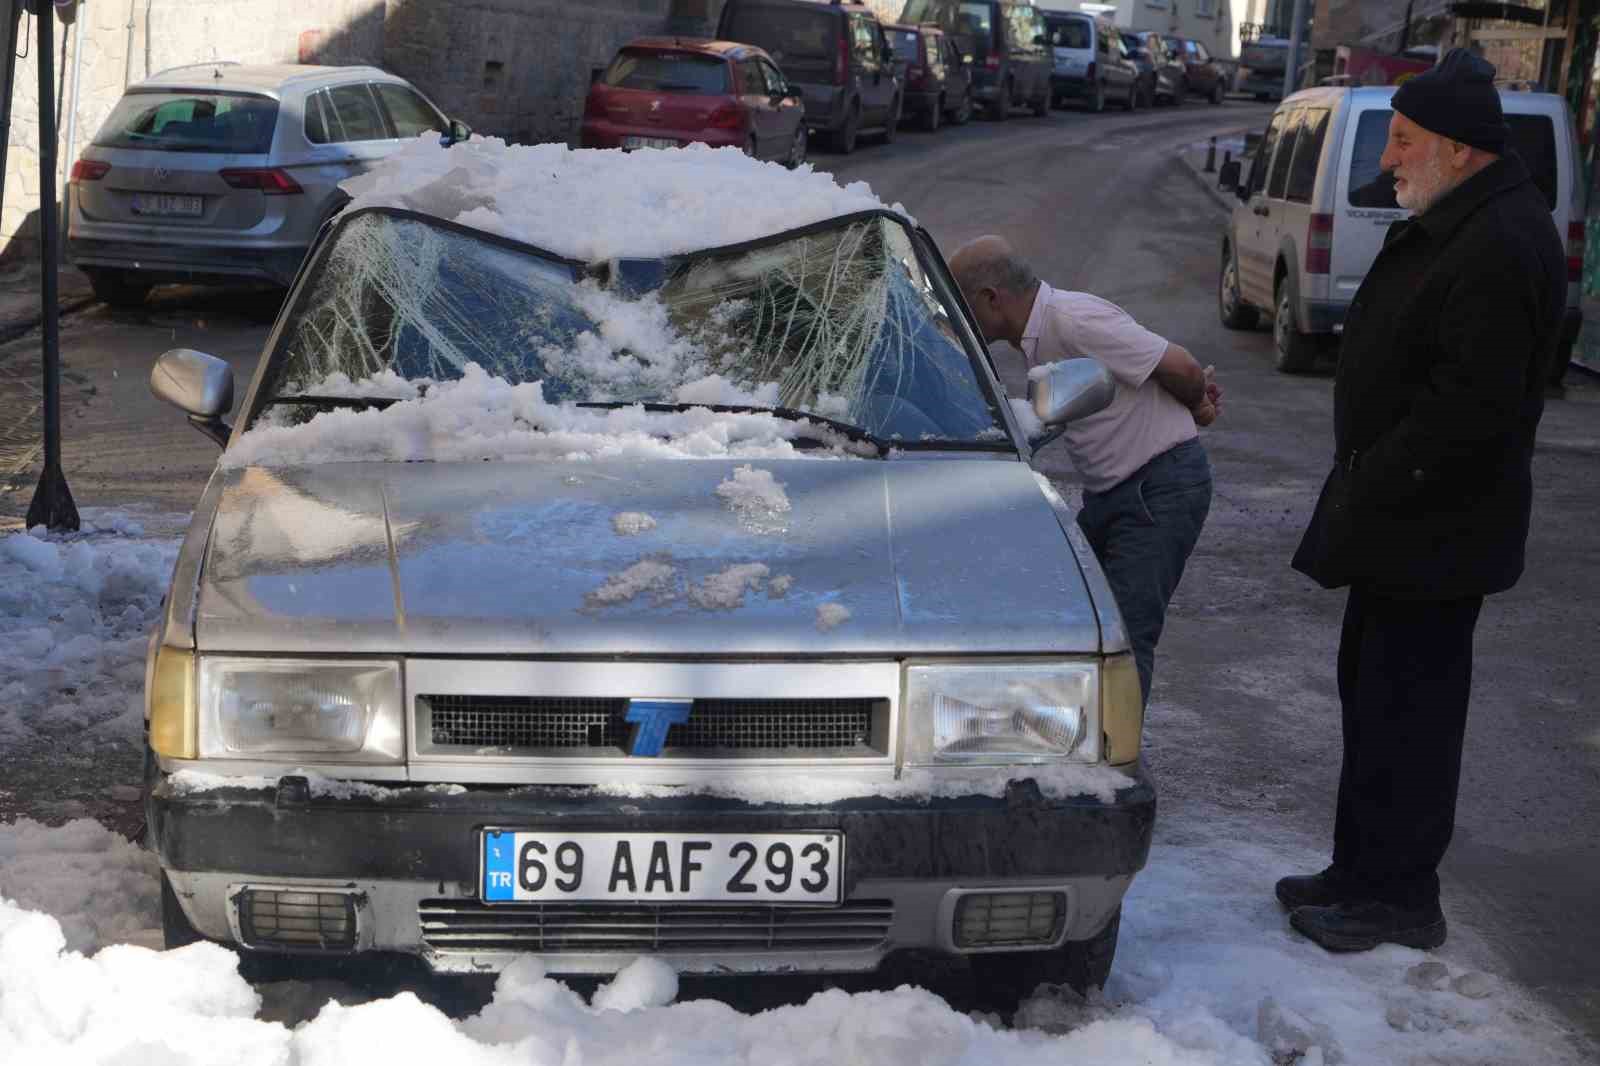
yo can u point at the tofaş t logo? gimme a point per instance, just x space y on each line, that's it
651 719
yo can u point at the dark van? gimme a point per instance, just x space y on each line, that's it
835 54
1006 40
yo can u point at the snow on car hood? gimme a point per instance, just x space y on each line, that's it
645 204
707 556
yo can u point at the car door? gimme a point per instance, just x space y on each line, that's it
958 74
866 57
349 134
788 112
1252 237
751 85
1284 218
1125 70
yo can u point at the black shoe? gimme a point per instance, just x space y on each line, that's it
1363 926
1316 890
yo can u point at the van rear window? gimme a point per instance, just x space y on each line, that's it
183 121
1069 33
1533 137
784 32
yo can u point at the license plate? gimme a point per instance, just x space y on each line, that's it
145 203
519 866
649 142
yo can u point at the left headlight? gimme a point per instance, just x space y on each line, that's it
999 714
271 707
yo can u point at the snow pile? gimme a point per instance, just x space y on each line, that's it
101 888
779 586
639 204
483 417
631 523
830 615
725 589
754 493
76 611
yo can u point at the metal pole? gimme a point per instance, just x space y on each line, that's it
1405 32
5 104
52 504
1291 76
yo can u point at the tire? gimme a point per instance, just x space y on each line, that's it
116 288
1231 308
935 114
892 126
1041 106
963 114
1217 93
1006 979
1296 352
844 139
1097 101
175 928
797 148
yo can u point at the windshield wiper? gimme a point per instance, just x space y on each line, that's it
331 403
788 414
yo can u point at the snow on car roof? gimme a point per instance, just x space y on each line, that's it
601 204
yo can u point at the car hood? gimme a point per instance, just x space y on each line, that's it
868 557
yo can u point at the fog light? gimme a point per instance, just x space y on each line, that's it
1009 919
297 920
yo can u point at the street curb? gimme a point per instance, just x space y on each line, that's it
10 331
1208 181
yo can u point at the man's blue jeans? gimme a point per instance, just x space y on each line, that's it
1143 530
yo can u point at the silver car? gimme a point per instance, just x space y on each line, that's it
220 172
850 695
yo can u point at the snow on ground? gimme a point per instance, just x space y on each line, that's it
76 611
1207 973
642 204
485 417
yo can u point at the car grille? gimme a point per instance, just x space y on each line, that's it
464 926
716 727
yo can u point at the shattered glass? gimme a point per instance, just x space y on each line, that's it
841 322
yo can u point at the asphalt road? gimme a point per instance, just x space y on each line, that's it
1243 728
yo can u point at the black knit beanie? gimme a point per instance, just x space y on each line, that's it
1456 99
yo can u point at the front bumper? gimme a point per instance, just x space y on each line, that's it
403 857
1065 85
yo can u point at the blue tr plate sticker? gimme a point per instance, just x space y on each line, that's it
498 865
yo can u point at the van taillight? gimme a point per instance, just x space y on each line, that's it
1575 235
1319 244
991 62
89 170
841 58
270 181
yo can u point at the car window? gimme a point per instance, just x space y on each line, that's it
864 42
976 19
751 81
841 322
409 113
1288 137
1263 159
234 123
1307 153
317 125
356 114
904 43
669 72
1369 185
775 83
1019 27
1102 41
1070 33
930 50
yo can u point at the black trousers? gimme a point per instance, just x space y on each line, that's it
1405 675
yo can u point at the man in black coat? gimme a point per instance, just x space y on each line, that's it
1446 350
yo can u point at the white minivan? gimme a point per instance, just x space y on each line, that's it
1314 207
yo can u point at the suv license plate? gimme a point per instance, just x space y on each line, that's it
519 866
165 204
649 142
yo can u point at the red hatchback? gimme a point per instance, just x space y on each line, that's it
666 92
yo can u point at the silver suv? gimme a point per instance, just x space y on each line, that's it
222 172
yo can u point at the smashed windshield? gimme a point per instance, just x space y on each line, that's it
841 323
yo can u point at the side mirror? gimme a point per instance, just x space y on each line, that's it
199 385
459 131
1069 390
1228 179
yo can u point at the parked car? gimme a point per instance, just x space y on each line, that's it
1202 75
1314 208
665 92
1264 61
221 173
579 684
1006 43
1091 62
1165 81
835 54
937 78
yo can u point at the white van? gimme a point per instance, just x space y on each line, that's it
1314 207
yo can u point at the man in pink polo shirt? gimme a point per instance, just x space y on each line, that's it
1146 478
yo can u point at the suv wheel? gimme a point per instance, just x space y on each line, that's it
1296 352
963 114
1231 308
931 119
1079 964
117 288
845 138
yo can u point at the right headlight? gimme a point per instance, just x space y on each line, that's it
1002 714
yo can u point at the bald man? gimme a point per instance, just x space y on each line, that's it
1146 478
